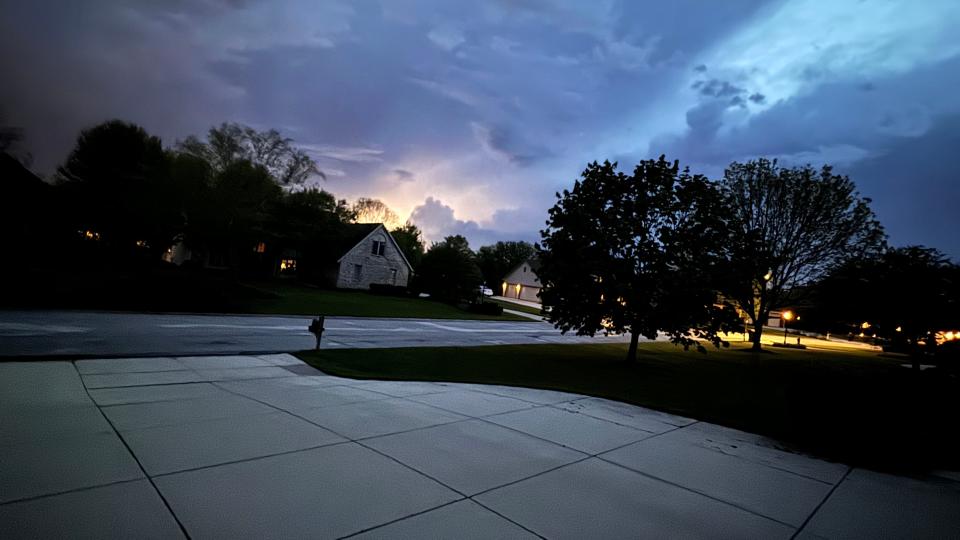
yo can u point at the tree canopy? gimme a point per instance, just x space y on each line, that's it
410 240
116 177
449 271
788 228
231 142
905 295
636 253
498 259
375 211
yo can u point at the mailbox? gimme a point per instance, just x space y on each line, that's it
316 328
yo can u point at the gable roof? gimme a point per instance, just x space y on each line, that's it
349 236
355 233
526 281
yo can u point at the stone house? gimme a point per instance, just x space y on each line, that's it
522 282
365 254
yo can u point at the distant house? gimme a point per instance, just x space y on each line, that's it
364 254
522 282
347 256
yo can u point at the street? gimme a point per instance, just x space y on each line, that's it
76 333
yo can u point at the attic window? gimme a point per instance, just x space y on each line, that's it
378 246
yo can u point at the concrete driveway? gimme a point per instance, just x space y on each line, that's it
58 333
266 447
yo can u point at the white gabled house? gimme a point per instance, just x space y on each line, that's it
366 254
522 282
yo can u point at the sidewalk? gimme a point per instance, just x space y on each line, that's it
536 305
265 446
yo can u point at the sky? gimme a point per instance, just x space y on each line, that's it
467 117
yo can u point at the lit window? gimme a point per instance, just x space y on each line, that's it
261 247
142 244
288 265
89 235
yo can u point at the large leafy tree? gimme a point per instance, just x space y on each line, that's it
905 295
375 211
410 240
449 271
789 227
230 143
116 177
498 259
636 253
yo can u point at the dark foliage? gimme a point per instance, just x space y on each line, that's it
788 227
636 254
411 244
231 143
117 179
449 271
496 260
905 295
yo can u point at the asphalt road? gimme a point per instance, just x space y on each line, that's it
74 333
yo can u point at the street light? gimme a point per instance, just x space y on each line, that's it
787 316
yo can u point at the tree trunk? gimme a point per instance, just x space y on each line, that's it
757 332
632 351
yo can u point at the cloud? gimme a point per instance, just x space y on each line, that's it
344 153
717 88
496 105
447 38
404 175
500 142
448 90
437 221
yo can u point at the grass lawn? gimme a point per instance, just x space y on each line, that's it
169 289
515 307
856 407
290 298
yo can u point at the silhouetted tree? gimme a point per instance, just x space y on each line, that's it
498 259
375 211
636 254
11 143
789 226
116 178
246 196
230 143
410 240
905 295
449 271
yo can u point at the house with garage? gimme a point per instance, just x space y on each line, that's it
364 254
522 282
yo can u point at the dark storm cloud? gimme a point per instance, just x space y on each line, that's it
491 107
404 175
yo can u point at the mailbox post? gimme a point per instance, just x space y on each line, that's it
316 328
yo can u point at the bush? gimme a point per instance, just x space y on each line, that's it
388 290
485 308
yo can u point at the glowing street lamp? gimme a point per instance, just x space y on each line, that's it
787 317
